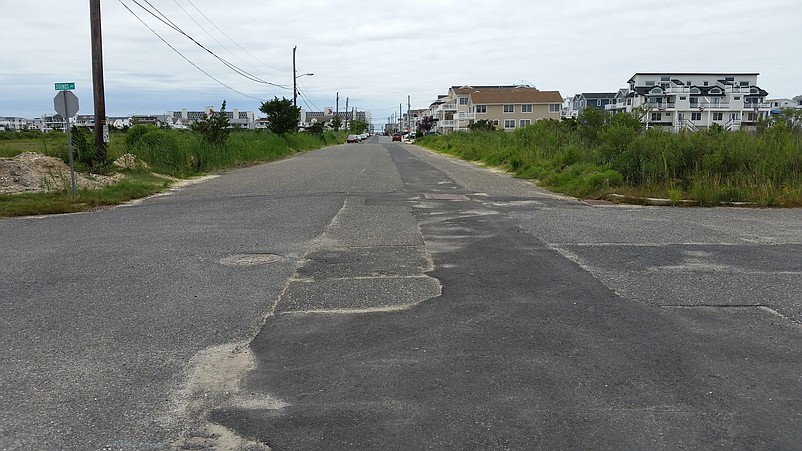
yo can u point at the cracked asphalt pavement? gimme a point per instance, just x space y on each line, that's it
377 295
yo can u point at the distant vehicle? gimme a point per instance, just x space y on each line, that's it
397 137
364 136
353 139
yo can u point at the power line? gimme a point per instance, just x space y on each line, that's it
184 57
230 65
229 37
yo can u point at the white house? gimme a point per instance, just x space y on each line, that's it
696 100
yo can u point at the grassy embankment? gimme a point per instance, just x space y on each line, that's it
599 155
170 153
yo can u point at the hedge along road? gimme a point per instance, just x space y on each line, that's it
376 295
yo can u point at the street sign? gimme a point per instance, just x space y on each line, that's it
66 103
65 86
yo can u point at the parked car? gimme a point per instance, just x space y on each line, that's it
352 139
397 137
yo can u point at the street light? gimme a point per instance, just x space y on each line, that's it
295 88
295 79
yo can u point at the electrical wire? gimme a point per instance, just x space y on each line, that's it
229 37
233 67
184 57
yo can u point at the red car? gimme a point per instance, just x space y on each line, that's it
396 136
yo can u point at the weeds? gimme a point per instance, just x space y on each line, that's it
599 154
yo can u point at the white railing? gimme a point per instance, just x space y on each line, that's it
757 105
445 123
446 107
462 116
733 124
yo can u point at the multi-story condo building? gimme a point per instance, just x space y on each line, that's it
506 107
695 100
236 118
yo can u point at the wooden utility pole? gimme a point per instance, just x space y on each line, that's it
346 113
294 79
337 106
97 83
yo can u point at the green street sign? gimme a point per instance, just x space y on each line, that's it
65 86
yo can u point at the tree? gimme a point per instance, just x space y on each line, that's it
356 126
213 128
282 115
425 125
336 122
315 128
482 125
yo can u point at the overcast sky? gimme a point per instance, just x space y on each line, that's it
378 52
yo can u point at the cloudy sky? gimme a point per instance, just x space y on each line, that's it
377 52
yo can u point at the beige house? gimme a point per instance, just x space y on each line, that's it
506 107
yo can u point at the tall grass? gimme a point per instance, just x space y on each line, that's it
595 156
181 153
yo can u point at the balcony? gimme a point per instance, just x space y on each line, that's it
446 107
757 106
464 116
615 106
445 123
662 106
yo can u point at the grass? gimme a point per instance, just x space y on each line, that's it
591 158
133 186
174 153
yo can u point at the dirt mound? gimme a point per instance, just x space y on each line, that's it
33 172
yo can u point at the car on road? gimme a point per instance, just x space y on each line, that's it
397 137
353 139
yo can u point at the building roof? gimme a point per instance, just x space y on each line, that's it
496 95
599 95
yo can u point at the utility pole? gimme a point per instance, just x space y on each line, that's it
409 113
337 106
294 79
346 113
400 118
98 88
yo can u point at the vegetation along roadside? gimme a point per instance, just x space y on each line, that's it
160 156
598 155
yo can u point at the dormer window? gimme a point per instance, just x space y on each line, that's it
656 90
695 90
715 91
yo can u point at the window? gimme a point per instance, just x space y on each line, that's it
481 109
463 100
509 123
649 82
750 117
598 102
744 83
683 98
736 98
526 108
657 117
696 116
525 122
554 107
718 116
706 83
495 122
509 108
629 101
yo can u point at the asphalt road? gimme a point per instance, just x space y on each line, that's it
376 295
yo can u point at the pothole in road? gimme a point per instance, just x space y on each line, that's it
251 259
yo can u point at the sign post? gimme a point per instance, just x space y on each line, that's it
66 104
